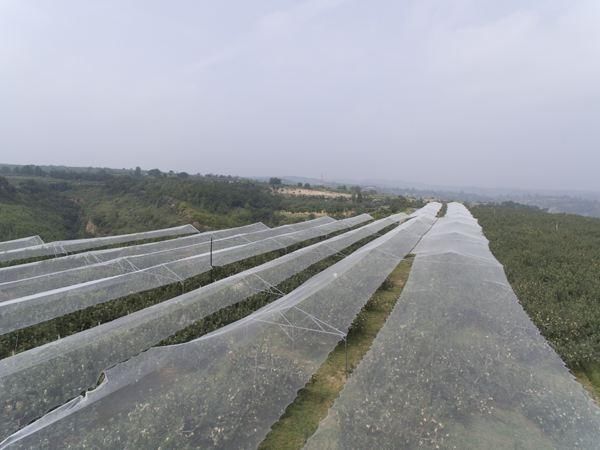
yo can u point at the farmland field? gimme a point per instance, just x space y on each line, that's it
299 324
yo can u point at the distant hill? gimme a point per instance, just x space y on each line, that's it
584 203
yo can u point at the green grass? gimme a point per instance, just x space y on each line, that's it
302 417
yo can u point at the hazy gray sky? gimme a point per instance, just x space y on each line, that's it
463 92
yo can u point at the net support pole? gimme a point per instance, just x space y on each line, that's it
212 279
346 351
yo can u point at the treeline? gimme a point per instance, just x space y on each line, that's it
97 173
64 174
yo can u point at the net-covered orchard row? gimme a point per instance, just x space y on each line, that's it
46 304
113 263
16 244
57 248
192 243
459 364
226 388
163 268
64 368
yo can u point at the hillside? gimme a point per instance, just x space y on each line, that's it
67 204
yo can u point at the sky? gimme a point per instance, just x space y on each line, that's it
458 93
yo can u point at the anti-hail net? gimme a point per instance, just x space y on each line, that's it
47 266
227 387
109 263
77 245
60 263
66 367
459 364
20 243
29 310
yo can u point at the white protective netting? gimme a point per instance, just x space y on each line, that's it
20 243
227 388
76 245
64 368
113 262
32 309
162 268
58 264
459 364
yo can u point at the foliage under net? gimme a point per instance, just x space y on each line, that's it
459 364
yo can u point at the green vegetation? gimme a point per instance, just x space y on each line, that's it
302 417
552 262
62 203
29 207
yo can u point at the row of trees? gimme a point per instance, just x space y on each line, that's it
58 173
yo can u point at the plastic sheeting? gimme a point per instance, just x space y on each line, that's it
459 364
30 310
227 388
119 265
77 245
20 243
47 266
64 368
